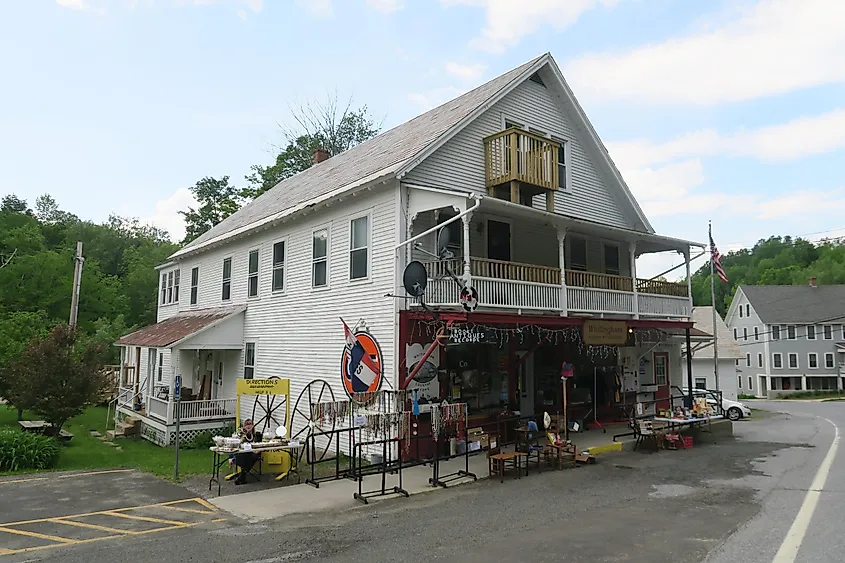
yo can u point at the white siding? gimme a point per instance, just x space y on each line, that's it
298 333
167 310
460 162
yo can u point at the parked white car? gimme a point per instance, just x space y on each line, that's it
734 410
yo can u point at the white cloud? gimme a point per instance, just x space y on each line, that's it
319 8
385 6
774 47
508 21
73 4
807 202
469 72
433 98
671 181
167 216
799 138
255 5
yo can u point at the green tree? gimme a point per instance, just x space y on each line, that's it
217 200
318 125
13 204
64 373
17 331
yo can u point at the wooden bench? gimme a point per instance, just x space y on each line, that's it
43 427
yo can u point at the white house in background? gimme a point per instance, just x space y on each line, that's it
792 336
703 368
541 222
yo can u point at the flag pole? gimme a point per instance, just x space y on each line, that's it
713 302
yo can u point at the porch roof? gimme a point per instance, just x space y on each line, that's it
647 242
178 327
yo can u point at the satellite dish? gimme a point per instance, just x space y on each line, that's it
415 278
443 240
281 431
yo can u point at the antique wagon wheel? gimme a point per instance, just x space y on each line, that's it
264 410
303 424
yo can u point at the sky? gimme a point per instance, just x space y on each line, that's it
728 110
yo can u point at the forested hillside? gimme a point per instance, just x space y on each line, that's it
37 246
774 261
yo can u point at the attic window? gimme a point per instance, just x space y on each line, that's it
536 78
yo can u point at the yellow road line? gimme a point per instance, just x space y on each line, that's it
147 519
91 526
216 520
187 510
5 551
37 535
23 480
94 473
110 511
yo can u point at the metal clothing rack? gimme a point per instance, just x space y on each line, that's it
386 464
436 479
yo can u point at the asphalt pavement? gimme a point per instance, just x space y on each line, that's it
734 500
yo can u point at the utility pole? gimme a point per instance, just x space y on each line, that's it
77 281
715 313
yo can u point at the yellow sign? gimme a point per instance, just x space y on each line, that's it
263 386
605 332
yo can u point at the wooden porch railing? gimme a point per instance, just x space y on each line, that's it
515 154
208 409
532 273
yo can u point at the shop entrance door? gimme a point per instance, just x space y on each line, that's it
661 379
525 383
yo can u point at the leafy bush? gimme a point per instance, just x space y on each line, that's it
813 393
24 450
203 439
742 396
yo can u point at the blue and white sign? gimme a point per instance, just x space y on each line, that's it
177 393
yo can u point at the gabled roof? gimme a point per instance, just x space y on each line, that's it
398 150
797 304
395 146
177 327
728 348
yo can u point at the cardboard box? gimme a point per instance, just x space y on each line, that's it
478 435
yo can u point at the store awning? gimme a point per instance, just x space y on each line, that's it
219 328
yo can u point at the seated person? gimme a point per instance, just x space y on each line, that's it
246 460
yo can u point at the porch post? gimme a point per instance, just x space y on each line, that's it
466 219
689 278
632 249
122 375
561 259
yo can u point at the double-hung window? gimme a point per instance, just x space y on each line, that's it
279 266
227 279
748 360
359 248
775 332
828 332
811 332
759 360
793 361
163 289
320 258
195 284
777 360
252 278
828 360
176 276
160 367
790 332
813 360
249 360
170 287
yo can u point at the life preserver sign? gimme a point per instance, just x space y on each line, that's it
362 365
469 298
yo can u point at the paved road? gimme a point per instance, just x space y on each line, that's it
734 501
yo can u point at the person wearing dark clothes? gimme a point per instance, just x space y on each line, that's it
246 460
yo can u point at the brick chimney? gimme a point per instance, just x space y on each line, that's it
320 155
813 282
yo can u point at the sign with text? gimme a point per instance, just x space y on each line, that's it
263 386
473 335
612 333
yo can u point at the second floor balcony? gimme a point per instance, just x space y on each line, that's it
516 286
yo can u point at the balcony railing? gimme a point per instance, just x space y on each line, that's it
515 154
211 409
512 285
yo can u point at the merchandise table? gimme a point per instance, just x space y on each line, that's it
691 422
222 454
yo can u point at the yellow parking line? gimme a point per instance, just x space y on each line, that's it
216 520
94 473
110 511
37 535
5 551
146 518
187 510
23 480
91 526
206 504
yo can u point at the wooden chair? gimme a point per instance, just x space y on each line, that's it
528 446
499 461
646 431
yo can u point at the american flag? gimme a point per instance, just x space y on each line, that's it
717 261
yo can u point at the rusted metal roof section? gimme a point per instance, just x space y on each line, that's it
176 328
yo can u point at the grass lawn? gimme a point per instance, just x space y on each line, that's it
87 452
815 395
